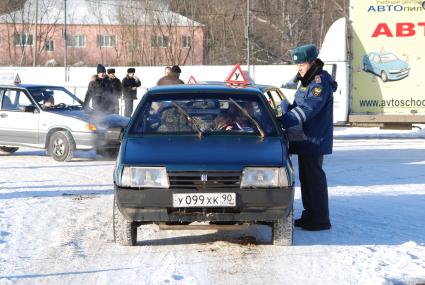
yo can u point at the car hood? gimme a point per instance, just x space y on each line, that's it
395 64
209 153
105 120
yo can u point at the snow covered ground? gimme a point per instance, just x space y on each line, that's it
55 225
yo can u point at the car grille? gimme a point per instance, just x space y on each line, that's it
211 180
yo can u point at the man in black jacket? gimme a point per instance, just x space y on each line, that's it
129 88
99 91
116 90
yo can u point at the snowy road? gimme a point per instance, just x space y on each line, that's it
55 227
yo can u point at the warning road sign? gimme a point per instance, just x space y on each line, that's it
17 80
237 76
192 80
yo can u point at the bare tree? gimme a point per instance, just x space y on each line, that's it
20 26
276 26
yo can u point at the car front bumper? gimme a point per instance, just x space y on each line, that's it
252 205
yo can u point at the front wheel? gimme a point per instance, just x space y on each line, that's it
125 232
61 146
9 150
384 76
283 230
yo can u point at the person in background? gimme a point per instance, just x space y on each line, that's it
129 88
167 70
312 111
116 90
99 91
171 78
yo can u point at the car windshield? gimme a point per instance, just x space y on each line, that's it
387 57
55 98
204 115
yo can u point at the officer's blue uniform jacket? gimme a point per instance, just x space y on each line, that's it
313 109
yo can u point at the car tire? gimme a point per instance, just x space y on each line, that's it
61 146
384 76
125 232
283 230
8 150
365 68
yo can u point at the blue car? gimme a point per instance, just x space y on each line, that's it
206 154
386 65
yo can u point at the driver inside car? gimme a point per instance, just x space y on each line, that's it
49 102
227 121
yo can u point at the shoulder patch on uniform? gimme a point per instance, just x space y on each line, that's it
316 91
317 79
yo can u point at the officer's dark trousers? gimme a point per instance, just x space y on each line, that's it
128 107
314 189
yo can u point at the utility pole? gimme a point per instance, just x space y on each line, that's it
34 41
247 32
65 44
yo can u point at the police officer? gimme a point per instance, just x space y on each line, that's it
312 111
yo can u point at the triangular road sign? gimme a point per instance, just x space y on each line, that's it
237 76
192 80
17 80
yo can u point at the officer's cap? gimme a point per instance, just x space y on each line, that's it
131 70
111 70
304 53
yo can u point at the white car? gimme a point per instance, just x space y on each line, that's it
52 118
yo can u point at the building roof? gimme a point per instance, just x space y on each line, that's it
95 12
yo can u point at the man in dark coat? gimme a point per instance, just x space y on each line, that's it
99 91
172 77
116 90
312 111
129 88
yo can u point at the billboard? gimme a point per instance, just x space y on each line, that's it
388 40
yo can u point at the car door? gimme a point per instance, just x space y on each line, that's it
275 97
19 118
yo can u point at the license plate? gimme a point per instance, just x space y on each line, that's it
204 200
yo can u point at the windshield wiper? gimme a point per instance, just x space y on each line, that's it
189 118
245 112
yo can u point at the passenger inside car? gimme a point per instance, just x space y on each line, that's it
173 121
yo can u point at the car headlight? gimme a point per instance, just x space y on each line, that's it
262 177
147 177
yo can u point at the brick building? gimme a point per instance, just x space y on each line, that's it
117 33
